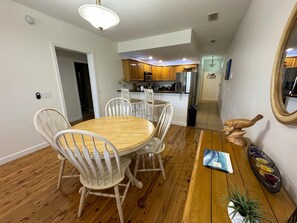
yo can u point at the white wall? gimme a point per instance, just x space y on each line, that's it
66 61
211 87
248 93
27 66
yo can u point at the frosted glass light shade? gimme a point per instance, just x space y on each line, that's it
99 16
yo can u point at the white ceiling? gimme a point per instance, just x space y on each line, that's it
144 18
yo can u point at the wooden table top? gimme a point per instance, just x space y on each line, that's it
208 187
126 133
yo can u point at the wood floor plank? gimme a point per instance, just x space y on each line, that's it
28 188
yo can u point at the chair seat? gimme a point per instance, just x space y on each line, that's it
125 162
135 100
152 147
158 102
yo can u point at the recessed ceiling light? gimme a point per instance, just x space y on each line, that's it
184 59
160 61
289 49
150 57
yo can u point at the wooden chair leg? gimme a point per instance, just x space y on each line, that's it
61 173
153 158
161 165
153 114
143 161
136 165
119 205
82 200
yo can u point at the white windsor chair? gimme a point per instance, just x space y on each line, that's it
156 145
118 107
98 162
48 122
150 104
136 103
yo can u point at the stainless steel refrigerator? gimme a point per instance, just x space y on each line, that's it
186 82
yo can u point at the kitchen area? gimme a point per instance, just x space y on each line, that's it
176 84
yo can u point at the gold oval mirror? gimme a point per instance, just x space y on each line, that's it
283 93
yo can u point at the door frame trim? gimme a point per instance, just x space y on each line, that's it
92 73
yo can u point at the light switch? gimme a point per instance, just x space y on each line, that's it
38 95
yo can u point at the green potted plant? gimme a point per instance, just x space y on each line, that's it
242 209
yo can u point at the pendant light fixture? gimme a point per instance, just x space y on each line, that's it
212 64
100 17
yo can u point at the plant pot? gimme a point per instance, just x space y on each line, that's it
237 218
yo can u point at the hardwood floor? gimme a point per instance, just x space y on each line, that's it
28 188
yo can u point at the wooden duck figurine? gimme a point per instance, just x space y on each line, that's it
232 128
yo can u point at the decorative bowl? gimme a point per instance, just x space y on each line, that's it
264 169
261 161
271 178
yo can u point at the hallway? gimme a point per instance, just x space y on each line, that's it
208 116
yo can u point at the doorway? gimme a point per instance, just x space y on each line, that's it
84 90
77 85
211 86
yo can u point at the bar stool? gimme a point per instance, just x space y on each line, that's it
150 104
136 103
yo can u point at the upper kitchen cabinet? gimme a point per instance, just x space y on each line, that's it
173 71
183 68
147 67
157 73
166 73
291 62
141 69
132 70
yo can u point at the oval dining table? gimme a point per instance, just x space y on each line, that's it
127 133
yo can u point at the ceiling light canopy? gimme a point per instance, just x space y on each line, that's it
100 17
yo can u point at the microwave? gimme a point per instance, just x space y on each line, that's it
148 76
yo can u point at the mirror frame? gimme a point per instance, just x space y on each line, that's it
277 105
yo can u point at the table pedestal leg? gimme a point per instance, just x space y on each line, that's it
134 181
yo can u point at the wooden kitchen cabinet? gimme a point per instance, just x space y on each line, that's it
147 67
166 73
141 69
132 70
291 62
173 71
154 72
157 73
183 68
179 68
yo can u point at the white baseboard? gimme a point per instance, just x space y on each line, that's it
24 152
179 123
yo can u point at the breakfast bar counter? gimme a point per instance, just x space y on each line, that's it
209 188
179 102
